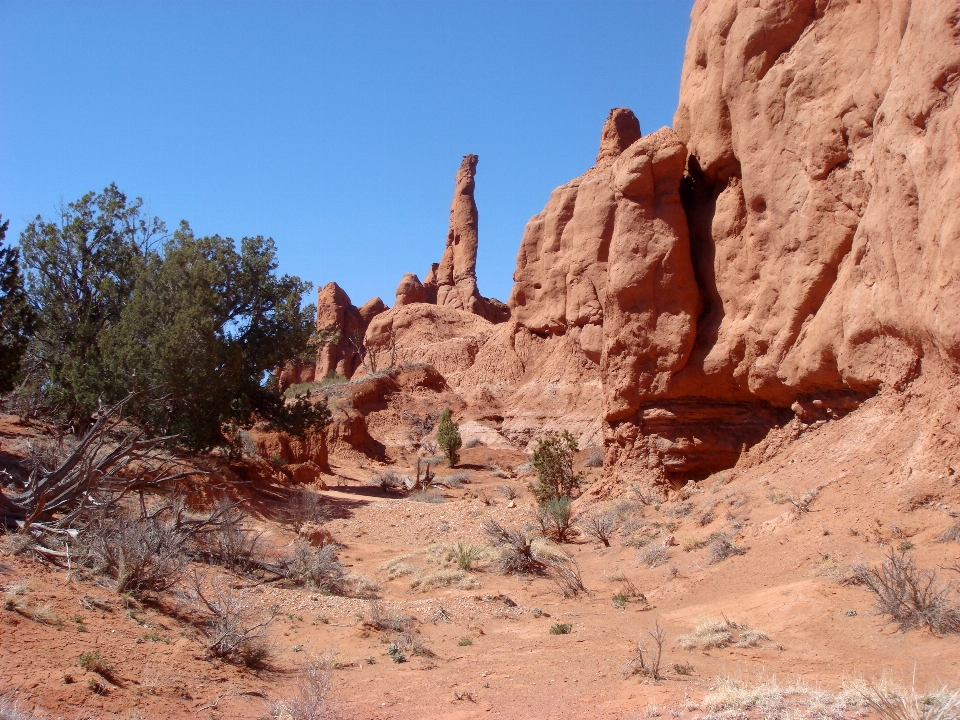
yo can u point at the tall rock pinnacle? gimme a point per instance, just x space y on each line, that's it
457 274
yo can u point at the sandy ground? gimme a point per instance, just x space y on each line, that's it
488 646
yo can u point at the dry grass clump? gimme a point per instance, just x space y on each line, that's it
397 567
516 548
456 480
895 704
11 710
653 556
389 480
709 634
444 577
911 596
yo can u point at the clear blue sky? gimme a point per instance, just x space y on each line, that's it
334 127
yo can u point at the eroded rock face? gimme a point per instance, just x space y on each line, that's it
345 325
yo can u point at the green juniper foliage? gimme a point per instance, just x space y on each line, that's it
17 319
81 269
448 438
553 461
204 326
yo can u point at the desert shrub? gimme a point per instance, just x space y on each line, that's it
457 480
140 554
555 518
553 461
464 642
11 710
316 567
388 480
304 506
92 662
599 524
235 631
707 518
653 556
231 545
595 459
648 659
448 438
516 548
311 698
723 547
427 496
911 596
472 443
466 554
508 491
679 510
561 629
951 534
565 572
409 643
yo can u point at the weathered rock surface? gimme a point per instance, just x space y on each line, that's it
342 327
789 249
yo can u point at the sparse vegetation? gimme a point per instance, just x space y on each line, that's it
561 629
555 518
599 524
234 629
448 438
594 459
648 659
464 642
388 480
516 548
315 567
311 699
722 548
467 554
910 596
709 634
508 492
92 662
951 534
654 556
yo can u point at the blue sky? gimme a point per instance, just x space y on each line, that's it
334 127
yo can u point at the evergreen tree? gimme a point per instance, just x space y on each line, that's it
553 461
17 318
448 438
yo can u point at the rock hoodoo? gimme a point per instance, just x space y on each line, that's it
789 249
453 281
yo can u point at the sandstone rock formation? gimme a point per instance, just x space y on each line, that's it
341 327
789 249
453 281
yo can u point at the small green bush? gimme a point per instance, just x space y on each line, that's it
448 438
553 461
464 641
561 629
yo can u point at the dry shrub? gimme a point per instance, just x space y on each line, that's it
555 518
315 567
235 630
722 548
911 596
599 524
139 554
595 459
516 548
389 480
10 710
304 506
311 699
508 491
444 577
653 556
648 659
427 496
456 480
951 534
229 544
